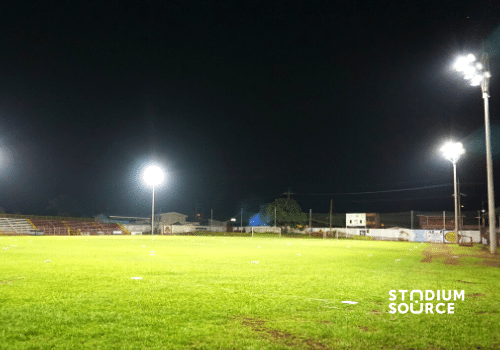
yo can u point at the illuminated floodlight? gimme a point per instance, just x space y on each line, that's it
153 175
476 80
452 151
471 70
470 58
461 64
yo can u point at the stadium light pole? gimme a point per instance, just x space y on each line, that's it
153 176
477 74
452 151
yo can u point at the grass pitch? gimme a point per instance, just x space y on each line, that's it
238 293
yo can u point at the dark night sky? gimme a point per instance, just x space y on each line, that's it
239 101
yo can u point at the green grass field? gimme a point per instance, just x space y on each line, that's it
209 293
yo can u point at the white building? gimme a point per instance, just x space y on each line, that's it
171 218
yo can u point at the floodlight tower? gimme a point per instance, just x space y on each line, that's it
452 151
153 176
477 74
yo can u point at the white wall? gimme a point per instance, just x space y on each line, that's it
137 228
393 234
405 234
263 229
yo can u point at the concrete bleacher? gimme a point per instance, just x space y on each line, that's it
15 226
108 228
75 227
82 227
46 225
50 227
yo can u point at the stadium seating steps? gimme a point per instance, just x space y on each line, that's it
50 226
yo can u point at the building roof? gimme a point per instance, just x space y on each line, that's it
173 212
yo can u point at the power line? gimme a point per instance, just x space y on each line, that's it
372 192
397 200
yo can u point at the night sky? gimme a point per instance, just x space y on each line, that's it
240 101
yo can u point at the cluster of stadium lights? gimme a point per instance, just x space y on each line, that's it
472 70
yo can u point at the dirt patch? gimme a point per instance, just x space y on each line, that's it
483 255
259 326
476 295
437 251
484 313
375 312
6 282
466 282
492 263
364 329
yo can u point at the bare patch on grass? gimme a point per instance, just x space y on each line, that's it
364 329
485 312
491 263
259 326
437 251
475 295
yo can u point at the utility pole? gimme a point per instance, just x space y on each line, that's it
483 226
275 216
211 218
479 225
241 220
460 218
331 204
412 219
310 219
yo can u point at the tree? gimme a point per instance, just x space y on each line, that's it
288 213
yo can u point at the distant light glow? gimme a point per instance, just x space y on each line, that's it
153 175
452 151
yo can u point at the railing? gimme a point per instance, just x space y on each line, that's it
40 217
